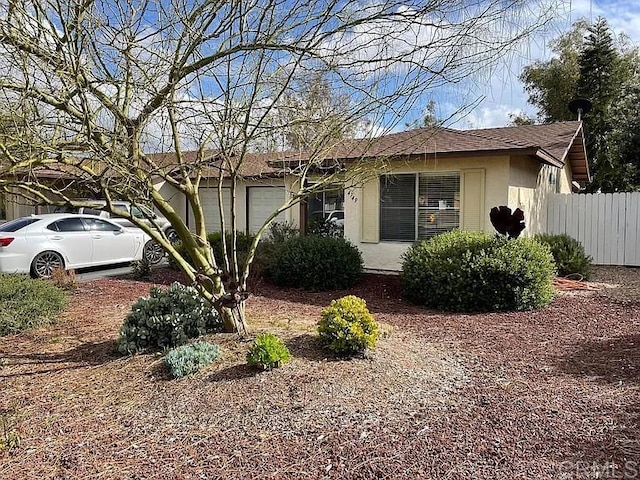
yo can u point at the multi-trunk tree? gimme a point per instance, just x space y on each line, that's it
108 82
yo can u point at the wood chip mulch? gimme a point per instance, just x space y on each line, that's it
546 394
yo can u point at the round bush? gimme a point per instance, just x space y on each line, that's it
473 271
267 351
568 254
317 263
167 318
27 303
347 327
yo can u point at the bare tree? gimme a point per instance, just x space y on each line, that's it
110 82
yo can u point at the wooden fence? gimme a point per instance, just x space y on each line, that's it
607 224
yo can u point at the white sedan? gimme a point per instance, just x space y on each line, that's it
39 244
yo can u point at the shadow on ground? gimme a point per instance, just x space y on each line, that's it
610 360
80 356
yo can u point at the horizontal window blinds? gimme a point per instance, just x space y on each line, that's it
438 204
398 207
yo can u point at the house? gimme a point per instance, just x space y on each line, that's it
438 180
421 182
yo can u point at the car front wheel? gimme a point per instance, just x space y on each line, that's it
45 263
153 252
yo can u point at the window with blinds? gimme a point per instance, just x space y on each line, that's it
418 206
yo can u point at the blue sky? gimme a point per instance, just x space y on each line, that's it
502 93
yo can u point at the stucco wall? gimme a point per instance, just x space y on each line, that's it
387 255
530 185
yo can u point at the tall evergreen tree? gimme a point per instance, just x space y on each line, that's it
600 82
588 63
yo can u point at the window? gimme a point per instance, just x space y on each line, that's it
325 206
17 224
95 224
67 225
418 206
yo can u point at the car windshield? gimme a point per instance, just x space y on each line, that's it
17 224
140 211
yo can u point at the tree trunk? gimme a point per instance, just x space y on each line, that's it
233 320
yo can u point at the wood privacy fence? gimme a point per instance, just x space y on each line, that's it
607 224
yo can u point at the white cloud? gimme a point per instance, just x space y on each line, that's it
502 91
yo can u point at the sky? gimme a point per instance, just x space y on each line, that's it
503 93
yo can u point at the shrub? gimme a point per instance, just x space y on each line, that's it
347 327
27 303
243 243
64 279
473 271
267 351
167 318
318 263
141 269
325 228
568 254
189 359
271 246
280 232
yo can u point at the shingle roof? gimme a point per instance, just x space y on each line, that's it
554 143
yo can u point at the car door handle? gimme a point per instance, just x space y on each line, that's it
97 237
56 237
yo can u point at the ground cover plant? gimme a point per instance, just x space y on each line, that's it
538 394
27 303
189 359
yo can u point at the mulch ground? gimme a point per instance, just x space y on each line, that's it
548 394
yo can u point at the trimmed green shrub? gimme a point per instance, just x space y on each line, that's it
325 228
267 351
167 318
473 271
318 263
189 359
27 303
243 244
347 327
568 253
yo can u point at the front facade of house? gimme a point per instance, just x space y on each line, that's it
427 181
421 195
422 198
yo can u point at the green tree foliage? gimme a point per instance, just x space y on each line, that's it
551 85
590 62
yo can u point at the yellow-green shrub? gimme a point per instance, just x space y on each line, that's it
347 327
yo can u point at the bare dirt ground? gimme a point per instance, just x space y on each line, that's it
549 394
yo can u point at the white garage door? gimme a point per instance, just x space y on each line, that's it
263 201
209 200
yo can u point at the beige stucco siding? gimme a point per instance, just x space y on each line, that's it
530 185
363 201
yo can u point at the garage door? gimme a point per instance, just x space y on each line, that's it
263 201
209 200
